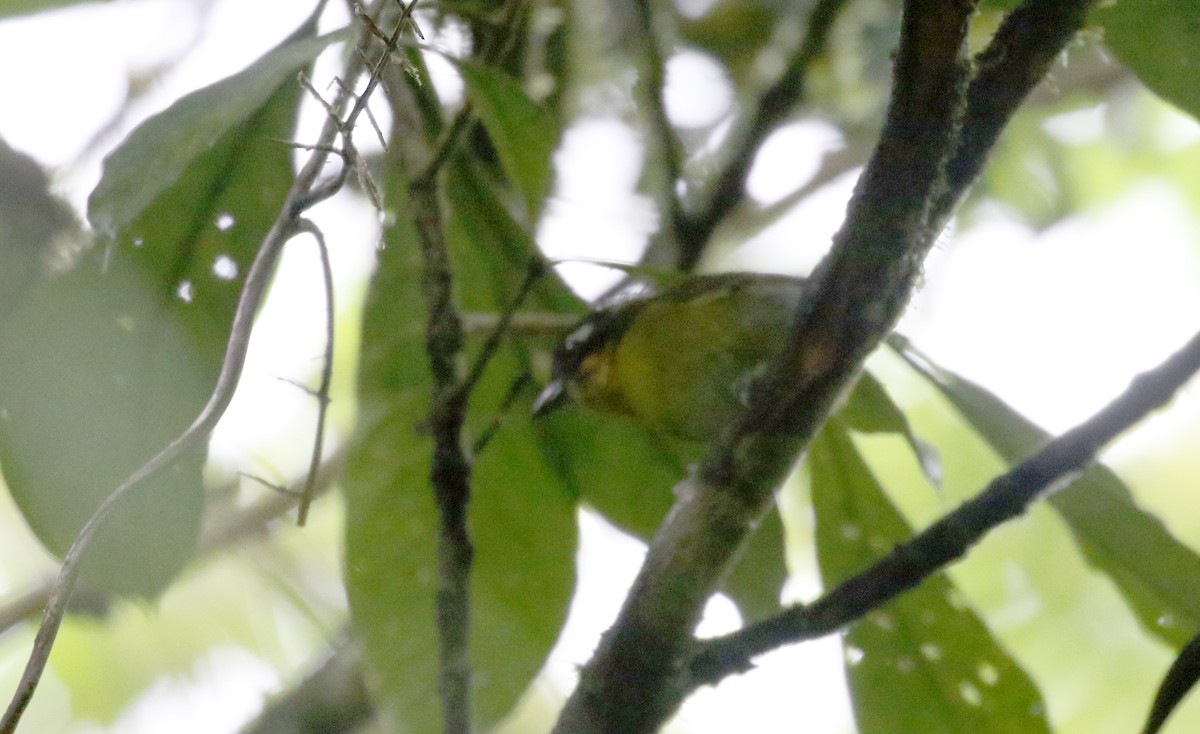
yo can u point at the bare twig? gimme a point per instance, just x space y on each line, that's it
225 533
304 193
948 539
774 106
322 391
636 19
450 472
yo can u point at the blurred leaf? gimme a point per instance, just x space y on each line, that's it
103 367
524 135
11 8
198 127
95 377
1180 679
522 521
1159 40
924 662
33 224
1155 573
628 473
869 409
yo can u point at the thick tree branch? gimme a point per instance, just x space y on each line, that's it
632 684
951 537
1016 59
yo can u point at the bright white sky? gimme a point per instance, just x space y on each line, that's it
1056 323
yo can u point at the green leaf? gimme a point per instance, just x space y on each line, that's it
106 365
524 135
1155 573
1159 40
96 377
13 8
522 521
924 662
156 155
869 409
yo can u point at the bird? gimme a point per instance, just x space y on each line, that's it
680 361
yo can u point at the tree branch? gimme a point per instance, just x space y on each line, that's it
948 539
632 684
1016 59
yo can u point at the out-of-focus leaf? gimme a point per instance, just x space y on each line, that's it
870 409
1180 679
1155 573
103 367
95 377
1159 40
34 224
524 135
161 150
924 662
12 8
522 521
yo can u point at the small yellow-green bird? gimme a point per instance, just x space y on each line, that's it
681 361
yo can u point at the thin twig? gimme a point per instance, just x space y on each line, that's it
224 533
322 391
450 470
492 343
948 539
636 21
304 193
782 97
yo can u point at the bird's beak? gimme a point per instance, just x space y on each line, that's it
550 399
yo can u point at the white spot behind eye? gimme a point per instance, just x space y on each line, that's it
225 268
225 220
184 291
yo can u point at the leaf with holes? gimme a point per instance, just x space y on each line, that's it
1156 574
104 366
925 661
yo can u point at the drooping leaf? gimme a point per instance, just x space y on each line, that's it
523 134
925 661
869 409
1156 574
106 365
522 522
1159 40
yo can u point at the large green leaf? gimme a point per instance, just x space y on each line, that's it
104 366
524 135
1155 573
1159 40
522 521
924 662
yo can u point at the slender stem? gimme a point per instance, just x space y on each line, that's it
948 539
